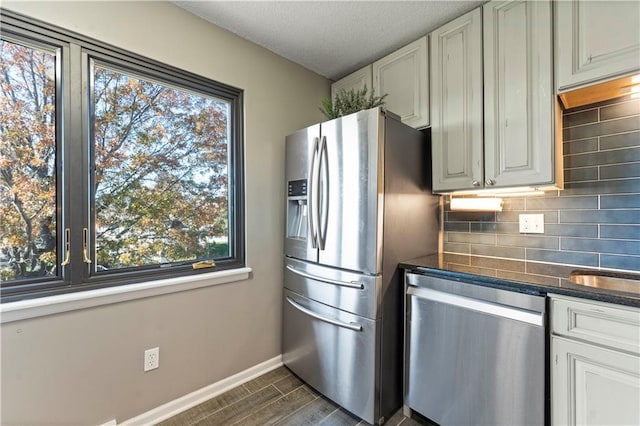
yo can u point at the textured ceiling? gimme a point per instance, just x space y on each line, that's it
332 38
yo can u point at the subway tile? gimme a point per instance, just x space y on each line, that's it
528 241
620 232
579 118
571 230
565 203
603 128
581 174
578 147
502 264
620 171
455 258
602 158
601 187
509 203
562 257
601 246
484 227
529 278
548 269
507 228
623 140
456 226
600 216
456 237
514 216
506 252
624 109
456 247
471 269
620 201
470 216
629 263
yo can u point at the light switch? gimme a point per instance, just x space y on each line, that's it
531 223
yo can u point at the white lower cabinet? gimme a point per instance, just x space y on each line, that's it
595 363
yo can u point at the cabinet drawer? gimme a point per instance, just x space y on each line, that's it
601 323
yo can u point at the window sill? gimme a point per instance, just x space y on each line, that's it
33 308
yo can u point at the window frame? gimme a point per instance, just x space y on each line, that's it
74 145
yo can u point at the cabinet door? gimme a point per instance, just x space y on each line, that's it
354 81
596 40
592 385
519 98
456 103
403 76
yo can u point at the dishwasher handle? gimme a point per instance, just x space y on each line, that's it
529 317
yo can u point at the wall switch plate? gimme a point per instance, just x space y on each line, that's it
531 223
151 359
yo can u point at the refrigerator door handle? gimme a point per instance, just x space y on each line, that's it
351 326
352 284
323 210
313 191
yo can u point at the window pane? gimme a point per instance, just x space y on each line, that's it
161 173
27 162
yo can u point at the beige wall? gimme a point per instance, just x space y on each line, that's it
85 367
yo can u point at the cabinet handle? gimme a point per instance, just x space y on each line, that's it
475 183
490 182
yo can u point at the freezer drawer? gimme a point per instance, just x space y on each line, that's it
348 291
333 351
474 361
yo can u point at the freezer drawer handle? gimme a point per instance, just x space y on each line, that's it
352 284
530 317
351 326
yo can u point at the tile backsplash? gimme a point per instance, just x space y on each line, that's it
593 222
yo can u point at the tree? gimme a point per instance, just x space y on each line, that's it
27 162
159 160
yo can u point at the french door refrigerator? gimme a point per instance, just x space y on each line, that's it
358 202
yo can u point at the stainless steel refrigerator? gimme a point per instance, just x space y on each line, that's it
358 202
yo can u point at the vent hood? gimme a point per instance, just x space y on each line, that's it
601 92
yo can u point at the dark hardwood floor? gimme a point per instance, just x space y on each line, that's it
275 398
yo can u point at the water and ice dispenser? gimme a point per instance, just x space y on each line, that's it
297 213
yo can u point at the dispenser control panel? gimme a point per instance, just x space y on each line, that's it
297 188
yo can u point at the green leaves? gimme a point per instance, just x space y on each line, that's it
348 102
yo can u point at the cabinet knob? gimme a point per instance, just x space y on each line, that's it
475 183
490 182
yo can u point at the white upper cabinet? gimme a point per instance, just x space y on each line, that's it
596 41
354 81
493 101
456 103
403 76
519 97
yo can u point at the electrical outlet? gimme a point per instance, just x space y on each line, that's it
151 359
531 223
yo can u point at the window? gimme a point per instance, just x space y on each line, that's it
114 168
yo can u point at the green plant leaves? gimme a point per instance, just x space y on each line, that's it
349 101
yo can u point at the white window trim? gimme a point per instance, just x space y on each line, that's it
49 305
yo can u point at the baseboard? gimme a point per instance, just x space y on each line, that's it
183 403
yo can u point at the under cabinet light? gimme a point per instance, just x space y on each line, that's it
476 204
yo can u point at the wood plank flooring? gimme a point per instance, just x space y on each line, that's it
275 398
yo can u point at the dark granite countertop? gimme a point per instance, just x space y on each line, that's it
526 277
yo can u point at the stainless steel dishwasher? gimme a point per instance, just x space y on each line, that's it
475 354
